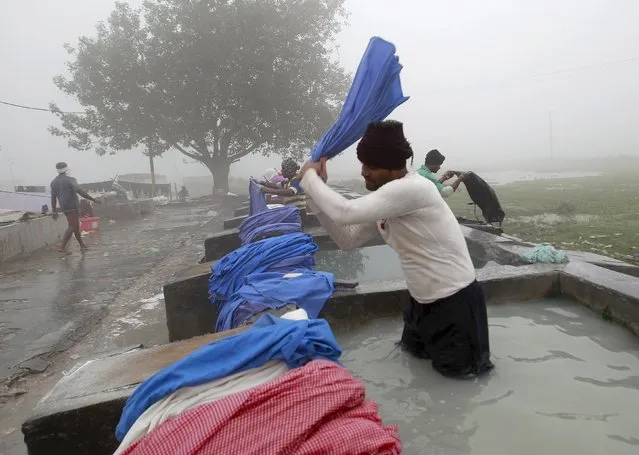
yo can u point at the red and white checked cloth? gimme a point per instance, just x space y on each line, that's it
317 409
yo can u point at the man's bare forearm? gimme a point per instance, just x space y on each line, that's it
85 195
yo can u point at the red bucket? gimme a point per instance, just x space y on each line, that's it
89 224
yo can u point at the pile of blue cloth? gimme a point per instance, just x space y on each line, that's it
272 290
257 200
282 219
375 92
229 272
270 338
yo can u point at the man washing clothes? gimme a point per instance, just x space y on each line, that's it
65 189
290 186
432 164
446 319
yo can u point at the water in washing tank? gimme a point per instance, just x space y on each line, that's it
566 382
374 263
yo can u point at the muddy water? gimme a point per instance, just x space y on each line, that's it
375 263
566 382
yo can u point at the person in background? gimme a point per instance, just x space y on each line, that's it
183 194
65 189
272 175
290 187
445 319
432 164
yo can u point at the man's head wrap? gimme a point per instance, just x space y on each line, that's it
434 157
289 166
384 146
62 168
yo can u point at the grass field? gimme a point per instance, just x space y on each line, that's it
595 214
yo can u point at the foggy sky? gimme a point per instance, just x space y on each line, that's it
477 73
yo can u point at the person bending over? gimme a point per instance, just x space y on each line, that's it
65 189
446 318
432 164
290 186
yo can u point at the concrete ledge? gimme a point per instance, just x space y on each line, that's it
611 294
189 312
79 415
218 245
222 243
23 238
124 210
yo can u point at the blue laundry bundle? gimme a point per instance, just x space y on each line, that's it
228 273
285 219
270 338
375 92
293 263
306 289
275 228
257 199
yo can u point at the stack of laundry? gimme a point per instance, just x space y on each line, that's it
275 388
280 220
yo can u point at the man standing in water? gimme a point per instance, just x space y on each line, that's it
446 319
65 189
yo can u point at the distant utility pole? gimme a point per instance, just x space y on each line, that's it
10 163
550 134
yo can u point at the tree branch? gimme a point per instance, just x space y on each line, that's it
248 151
189 154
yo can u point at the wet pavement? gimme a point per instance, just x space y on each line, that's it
49 302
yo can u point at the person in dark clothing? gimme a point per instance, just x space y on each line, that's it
65 190
445 319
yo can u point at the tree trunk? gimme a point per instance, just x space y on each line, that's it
152 176
220 171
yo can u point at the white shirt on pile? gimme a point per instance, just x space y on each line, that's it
412 218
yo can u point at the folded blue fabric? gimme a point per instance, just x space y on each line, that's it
257 199
270 338
255 224
304 262
282 228
376 91
229 272
306 289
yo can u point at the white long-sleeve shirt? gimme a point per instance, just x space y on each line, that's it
412 218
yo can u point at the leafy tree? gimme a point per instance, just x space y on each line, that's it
215 79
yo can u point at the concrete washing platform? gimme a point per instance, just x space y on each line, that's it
23 238
124 210
222 243
549 352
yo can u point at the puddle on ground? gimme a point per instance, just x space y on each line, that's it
565 382
374 263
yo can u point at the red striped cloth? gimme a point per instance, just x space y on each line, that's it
316 409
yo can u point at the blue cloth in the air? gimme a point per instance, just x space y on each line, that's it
306 289
229 272
270 338
257 200
376 91
260 222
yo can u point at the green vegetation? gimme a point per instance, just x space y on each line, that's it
596 214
